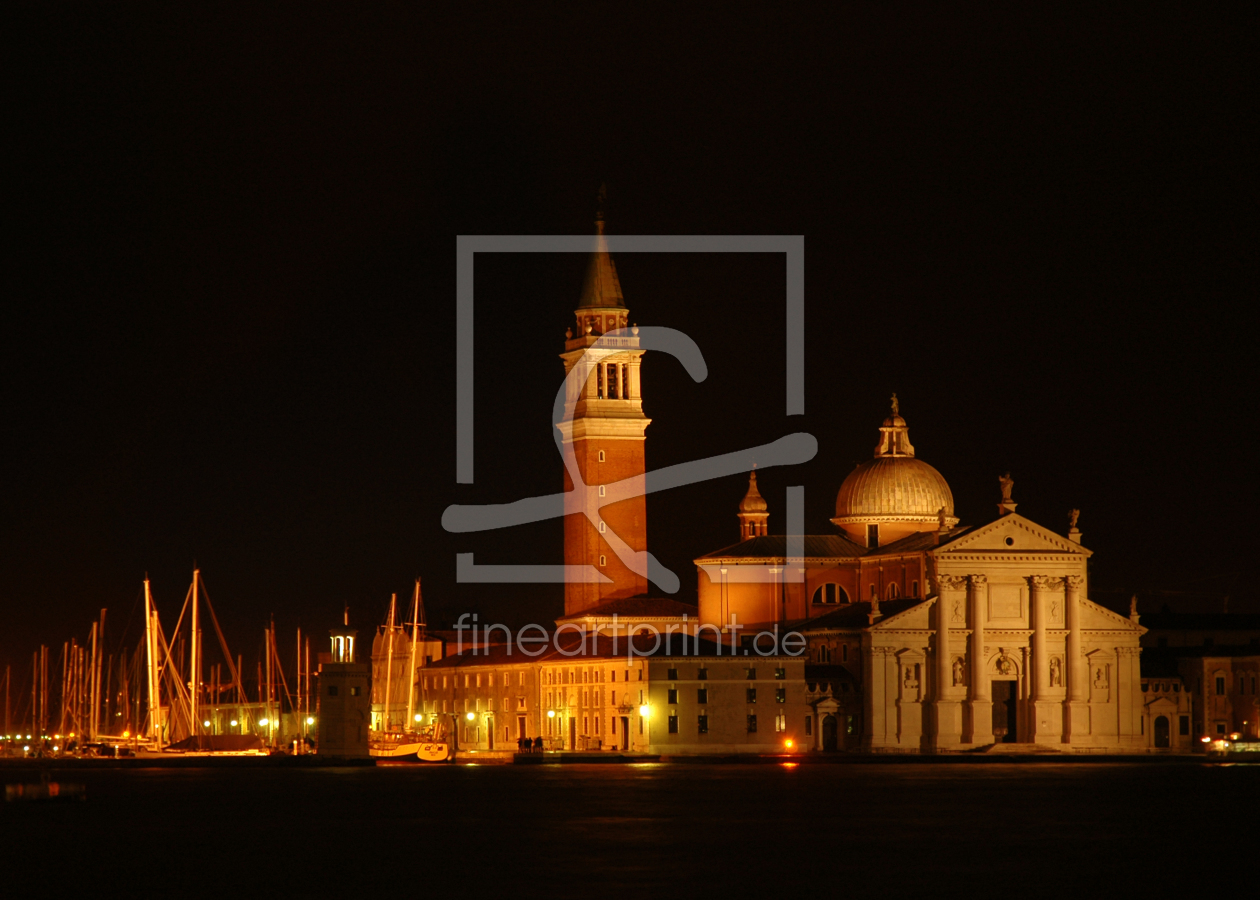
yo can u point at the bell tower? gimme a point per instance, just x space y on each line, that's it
604 426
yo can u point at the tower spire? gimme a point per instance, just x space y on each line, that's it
754 519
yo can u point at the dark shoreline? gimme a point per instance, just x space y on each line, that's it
319 762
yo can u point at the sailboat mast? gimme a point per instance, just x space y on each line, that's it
411 670
91 692
194 646
389 659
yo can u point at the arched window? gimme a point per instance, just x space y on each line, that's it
830 593
892 591
914 589
601 456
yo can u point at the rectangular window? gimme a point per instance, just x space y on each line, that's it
673 675
752 695
671 695
780 695
1220 684
1183 725
354 691
702 695
673 724
585 725
780 674
780 723
752 674
752 723
844 653
702 674
332 690
809 725
702 724
597 724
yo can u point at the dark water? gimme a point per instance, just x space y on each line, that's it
907 830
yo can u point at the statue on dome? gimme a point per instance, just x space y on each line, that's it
1007 483
1073 515
894 405
940 518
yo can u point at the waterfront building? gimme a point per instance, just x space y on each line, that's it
957 637
676 696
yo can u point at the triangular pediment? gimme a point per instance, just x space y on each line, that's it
1095 617
1012 533
915 617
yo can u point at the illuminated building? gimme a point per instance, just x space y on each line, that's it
954 637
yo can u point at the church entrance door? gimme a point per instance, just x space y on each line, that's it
489 733
1005 711
625 732
829 732
572 732
1161 731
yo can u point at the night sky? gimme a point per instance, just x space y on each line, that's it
230 286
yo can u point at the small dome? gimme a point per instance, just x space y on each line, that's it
753 502
894 422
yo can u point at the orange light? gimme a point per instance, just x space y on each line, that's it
1206 739
126 734
788 743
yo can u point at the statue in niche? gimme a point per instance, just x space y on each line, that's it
1100 677
1073 515
1056 672
958 610
910 682
1054 609
958 672
1008 484
1005 666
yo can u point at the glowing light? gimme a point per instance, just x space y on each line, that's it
27 748
469 717
1235 736
551 714
235 723
205 724
310 720
645 710
418 718
788 743
1206 739
789 765
262 722
126 734
58 737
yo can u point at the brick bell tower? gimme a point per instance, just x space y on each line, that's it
605 428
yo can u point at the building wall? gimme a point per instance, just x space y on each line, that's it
583 542
777 701
344 708
1223 692
755 593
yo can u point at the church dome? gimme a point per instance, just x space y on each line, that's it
894 488
888 488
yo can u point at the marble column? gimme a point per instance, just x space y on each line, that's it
979 697
948 717
1076 711
1046 726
